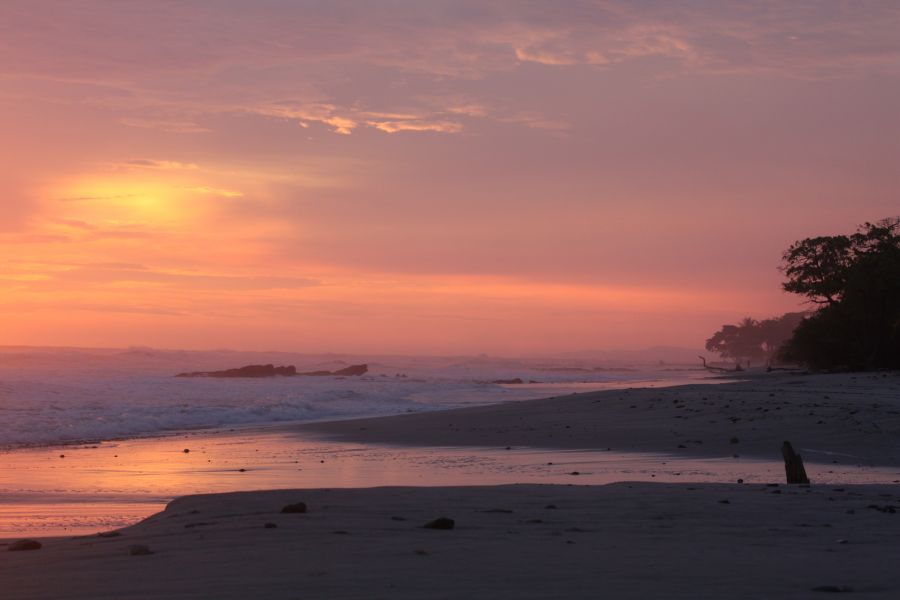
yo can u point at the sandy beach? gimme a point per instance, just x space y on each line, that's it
617 541
621 540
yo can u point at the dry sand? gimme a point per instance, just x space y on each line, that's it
616 541
625 540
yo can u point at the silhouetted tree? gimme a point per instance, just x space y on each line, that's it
817 268
856 279
738 342
752 340
775 332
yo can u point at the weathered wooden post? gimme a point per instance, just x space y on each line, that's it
793 465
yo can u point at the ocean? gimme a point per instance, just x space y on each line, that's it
57 395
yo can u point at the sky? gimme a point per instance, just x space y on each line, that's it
402 176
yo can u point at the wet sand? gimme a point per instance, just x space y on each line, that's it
79 490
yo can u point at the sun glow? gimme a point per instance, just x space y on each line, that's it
125 200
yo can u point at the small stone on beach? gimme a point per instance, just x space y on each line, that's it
832 588
299 507
139 550
440 523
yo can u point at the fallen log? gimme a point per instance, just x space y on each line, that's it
737 368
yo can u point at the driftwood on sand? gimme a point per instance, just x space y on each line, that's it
793 465
737 367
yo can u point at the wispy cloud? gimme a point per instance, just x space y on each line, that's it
597 45
164 125
416 125
344 121
245 56
304 114
213 191
112 276
95 198
72 224
537 120
161 165
468 109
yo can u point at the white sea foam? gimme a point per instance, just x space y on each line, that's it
49 396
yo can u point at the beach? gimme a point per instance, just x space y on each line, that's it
616 541
562 539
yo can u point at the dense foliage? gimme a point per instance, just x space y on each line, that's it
752 341
856 281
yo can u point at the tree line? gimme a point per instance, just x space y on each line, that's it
853 283
754 342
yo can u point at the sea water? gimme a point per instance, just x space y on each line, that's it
52 396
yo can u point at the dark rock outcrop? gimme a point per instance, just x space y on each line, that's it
248 371
273 371
352 370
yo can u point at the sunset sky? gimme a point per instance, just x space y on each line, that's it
428 176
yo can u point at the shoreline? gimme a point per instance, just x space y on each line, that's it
250 427
838 419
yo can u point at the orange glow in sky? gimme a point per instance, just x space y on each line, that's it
451 177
